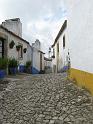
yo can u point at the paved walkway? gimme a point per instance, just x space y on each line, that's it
45 99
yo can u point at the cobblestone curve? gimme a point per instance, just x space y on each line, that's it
45 99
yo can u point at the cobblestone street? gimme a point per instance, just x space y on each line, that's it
45 99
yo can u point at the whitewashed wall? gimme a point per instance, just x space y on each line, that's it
80 30
29 53
36 59
14 26
12 53
54 60
43 66
63 52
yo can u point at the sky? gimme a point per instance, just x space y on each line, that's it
41 19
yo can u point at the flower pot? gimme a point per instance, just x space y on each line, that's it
21 68
13 71
65 68
25 49
11 45
17 49
53 56
29 70
2 74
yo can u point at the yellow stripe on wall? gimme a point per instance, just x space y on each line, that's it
82 78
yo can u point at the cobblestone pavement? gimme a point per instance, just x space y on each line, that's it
45 99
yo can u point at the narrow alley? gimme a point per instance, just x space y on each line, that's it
45 99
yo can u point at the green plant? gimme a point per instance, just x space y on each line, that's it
25 49
18 47
12 63
28 64
3 63
11 45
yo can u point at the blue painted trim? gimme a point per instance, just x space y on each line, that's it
65 68
2 74
13 71
34 71
21 68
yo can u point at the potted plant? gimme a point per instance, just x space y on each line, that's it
18 47
12 66
21 68
53 56
11 45
28 66
3 67
25 49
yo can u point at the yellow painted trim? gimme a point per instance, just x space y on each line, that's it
82 78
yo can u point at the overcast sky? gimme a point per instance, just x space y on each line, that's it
41 19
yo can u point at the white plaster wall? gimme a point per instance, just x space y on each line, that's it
54 60
50 64
14 26
12 53
63 52
37 45
29 53
36 59
43 66
80 30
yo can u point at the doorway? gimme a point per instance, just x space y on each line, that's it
1 48
40 61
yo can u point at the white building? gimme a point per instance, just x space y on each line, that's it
6 38
11 31
37 44
60 50
37 58
14 25
80 29
29 53
47 62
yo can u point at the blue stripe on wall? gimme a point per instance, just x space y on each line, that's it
34 71
2 74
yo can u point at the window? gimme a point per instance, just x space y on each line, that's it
53 52
21 51
58 47
64 41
